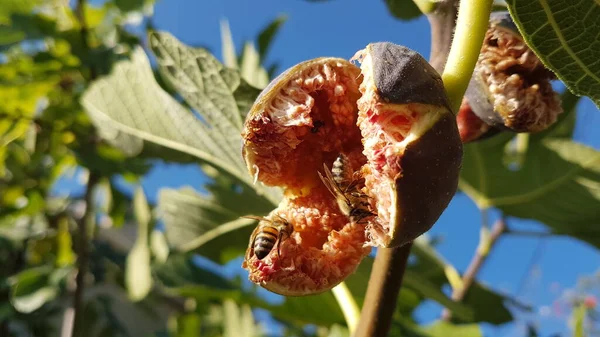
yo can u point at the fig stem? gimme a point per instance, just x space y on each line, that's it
486 243
442 21
382 292
348 305
471 25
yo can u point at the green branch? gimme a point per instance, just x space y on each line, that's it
471 25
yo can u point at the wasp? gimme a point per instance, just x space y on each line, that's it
268 233
343 185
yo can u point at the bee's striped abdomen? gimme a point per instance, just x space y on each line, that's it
264 241
341 171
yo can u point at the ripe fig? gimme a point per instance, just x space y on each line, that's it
510 88
391 123
471 127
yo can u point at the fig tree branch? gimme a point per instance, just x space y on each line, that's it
442 20
87 223
487 242
85 228
382 292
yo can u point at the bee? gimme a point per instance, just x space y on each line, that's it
343 185
267 234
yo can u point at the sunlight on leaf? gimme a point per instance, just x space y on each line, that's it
159 246
554 168
444 329
214 92
128 106
202 224
138 276
30 289
564 35
228 46
238 321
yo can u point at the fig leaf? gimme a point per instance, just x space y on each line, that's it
564 35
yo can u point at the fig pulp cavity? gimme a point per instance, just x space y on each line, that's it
510 88
391 121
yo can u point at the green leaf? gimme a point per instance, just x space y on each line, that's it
403 9
20 103
10 7
141 211
180 271
266 36
485 304
138 276
159 246
251 69
444 329
31 288
218 94
238 321
129 106
130 5
203 224
558 184
564 35
430 290
228 47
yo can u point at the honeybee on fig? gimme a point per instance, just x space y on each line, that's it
267 234
344 186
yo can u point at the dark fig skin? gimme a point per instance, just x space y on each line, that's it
429 180
431 163
403 76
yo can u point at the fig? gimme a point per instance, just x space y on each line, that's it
384 136
510 87
471 127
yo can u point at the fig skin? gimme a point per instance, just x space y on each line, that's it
521 107
471 127
430 171
431 159
403 76
395 94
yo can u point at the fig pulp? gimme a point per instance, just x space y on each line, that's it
510 87
391 121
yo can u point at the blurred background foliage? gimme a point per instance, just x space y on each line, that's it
93 90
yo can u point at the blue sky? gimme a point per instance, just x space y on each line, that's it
340 28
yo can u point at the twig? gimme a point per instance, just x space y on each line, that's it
442 21
86 226
84 32
382 292
486 243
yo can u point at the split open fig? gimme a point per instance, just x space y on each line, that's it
470 126
390 122
511 88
